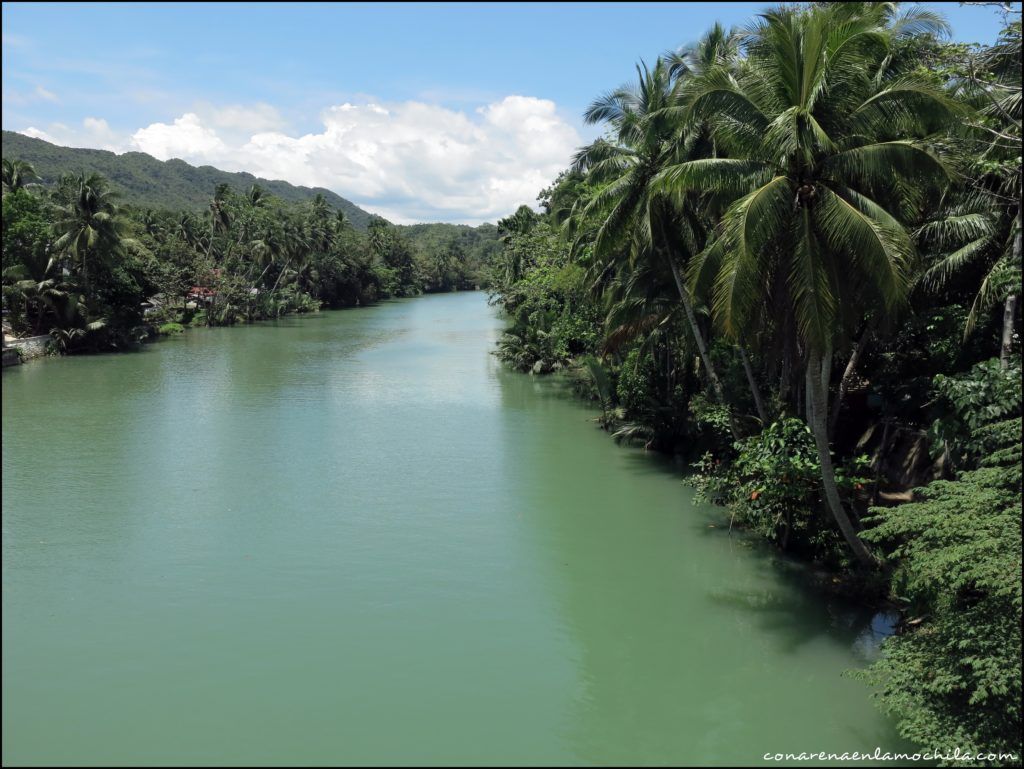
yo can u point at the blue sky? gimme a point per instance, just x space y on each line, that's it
454 111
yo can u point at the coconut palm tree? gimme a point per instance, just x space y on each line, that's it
220 219
185 229
150 221
828 155
321 234
636 220
90 226
976 232
267 248
981 225
519 223
716 46
38 284
18 175
295 247
256 196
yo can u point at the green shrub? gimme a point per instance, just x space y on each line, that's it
953 678
773 486
982 396
166 329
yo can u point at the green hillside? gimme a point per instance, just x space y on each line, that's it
480 244
148 182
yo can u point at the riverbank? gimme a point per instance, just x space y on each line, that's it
16 351
869 589
20 350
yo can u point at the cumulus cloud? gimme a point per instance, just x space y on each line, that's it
186 138
409 161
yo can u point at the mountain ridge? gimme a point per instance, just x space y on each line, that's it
171 184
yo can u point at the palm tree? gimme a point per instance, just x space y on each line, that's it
151 223
982 227
975 231
295 247
185 229
220 219
38 280
830 155
636 219
603 389
715 47
519 223
321 234
246 222
18 175
90 225
256 197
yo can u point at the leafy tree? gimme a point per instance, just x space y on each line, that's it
953 677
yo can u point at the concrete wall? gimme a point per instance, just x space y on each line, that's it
29 347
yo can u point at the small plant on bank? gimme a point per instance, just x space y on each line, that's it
602 388
773 487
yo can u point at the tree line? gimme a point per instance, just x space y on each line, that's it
795 251
95 272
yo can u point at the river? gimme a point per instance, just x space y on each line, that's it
354 537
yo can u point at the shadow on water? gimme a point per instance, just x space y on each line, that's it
693 645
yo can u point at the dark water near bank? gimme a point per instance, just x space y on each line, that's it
354 538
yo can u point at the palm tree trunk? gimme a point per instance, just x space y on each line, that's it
762 412
280 275
1010 308
262 274
702 348
826 374
817 406
1009 315
844 383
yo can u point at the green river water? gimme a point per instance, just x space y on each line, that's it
353 537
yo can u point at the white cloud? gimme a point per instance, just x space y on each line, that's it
36 95
409 161
186 138
94 133
45 95
250 119
37 133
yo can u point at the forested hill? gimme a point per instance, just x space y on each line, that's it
479 243
145 181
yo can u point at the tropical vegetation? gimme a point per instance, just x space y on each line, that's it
795 254
82 264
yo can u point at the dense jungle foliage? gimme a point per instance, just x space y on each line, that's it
95 272
795 254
